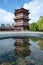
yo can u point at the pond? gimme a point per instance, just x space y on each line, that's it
26 51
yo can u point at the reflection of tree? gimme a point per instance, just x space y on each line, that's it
34 39
22 47
41 44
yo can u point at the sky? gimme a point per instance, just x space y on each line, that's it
7 8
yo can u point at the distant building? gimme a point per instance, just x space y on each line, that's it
21 19
7 27
2 25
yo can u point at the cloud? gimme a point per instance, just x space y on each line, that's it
36 9
6 17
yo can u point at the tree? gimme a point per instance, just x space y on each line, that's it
33 26
40 23
38 26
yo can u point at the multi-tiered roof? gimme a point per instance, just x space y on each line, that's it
21 18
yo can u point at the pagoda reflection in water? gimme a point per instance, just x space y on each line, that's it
22 47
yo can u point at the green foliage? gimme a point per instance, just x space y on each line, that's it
33 26
40 23
38 26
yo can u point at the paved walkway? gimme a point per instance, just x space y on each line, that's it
22 34
12 32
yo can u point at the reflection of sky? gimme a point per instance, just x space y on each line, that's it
34 46
6 45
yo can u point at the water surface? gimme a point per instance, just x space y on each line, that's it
27 51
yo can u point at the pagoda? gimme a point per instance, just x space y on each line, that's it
21 19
